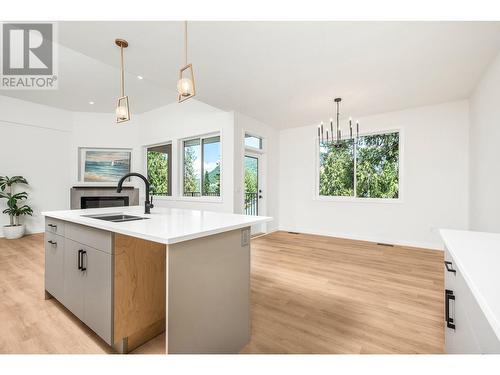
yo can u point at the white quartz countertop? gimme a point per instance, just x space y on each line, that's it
165 225
477 257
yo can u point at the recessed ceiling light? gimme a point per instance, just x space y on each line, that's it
140 77
91 102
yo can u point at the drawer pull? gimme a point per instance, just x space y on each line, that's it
53 243
449 266
83 261
79 256
450 322
52 226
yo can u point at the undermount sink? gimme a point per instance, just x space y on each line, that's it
116 218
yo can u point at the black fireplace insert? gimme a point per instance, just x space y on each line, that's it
101 202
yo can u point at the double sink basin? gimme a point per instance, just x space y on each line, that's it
116 217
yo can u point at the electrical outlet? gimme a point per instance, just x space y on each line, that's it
245 237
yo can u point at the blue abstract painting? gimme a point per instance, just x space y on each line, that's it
106 165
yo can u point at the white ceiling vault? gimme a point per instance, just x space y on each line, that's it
285 74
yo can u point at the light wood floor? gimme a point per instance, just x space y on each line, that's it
310 294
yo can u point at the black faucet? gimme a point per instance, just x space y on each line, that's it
148 205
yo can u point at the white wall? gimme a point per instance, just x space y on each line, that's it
35 143
101 130
434 181
174 122
51 137
269 163
435 165
485 152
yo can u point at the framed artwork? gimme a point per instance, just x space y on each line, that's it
103 164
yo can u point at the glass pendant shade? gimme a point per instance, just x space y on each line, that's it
185 85
122 110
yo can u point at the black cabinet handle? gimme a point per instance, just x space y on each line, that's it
80 259
450 322
52 226
449 266
53 243
84 261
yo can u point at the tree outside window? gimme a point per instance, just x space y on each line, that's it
202 167
159 159
368 168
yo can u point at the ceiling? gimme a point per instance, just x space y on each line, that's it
282 73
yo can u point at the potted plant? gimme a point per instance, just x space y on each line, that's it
15 208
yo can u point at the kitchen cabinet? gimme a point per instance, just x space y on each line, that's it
97 292
79 275
73 279
470 298
54 264
459 334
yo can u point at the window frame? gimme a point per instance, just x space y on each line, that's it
203 198
354 199
170 166
250 148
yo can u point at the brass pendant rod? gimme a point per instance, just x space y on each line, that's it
185 43
122 74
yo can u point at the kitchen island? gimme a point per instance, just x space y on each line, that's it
130 276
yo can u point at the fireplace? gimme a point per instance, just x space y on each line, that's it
103 196
101 202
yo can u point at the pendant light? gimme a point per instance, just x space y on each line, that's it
185 85
330 139
122 107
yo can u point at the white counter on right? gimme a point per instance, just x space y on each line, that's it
472 291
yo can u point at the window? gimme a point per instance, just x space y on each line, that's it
201 165
159 165
337 169
253 141
368 168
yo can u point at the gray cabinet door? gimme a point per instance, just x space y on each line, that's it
54 263
97 308
74 287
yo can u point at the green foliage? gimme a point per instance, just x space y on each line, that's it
377 167
158 172
251 181
206 183
251 174
6 191
336 177
211 182
191 181
6 181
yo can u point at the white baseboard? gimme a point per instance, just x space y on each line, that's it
424 245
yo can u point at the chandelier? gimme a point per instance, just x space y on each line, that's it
326 137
